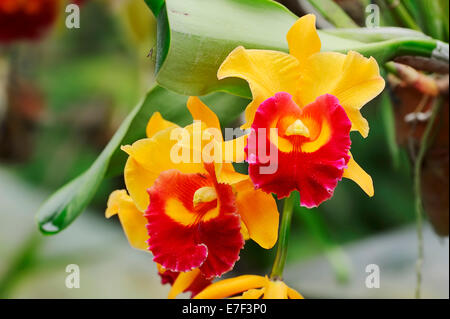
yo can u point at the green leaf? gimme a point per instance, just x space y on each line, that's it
200 35
194 37
155 6
64 206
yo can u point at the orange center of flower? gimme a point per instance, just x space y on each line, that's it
300 133
204 207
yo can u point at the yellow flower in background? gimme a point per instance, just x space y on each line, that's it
249 287
306 75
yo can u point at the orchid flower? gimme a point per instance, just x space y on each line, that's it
190 215
313 100
249 287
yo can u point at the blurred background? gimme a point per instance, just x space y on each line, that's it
64 92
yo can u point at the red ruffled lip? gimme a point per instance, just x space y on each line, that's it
314 164
193 237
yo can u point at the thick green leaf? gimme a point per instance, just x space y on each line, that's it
200 34
194 37
69 202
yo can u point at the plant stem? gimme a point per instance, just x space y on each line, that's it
283 238
23 261
333 13
387 50
431 13
402 14
417 193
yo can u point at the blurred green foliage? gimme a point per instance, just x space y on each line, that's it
90 80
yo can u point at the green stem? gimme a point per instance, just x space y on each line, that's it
387 50
417 193
431 13
333 13
402 14
23 261
283 238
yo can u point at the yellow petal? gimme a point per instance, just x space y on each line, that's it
232 286
293 294
201 112
320 75
267 72
148 158
359 83
138 180
352 78
276 290
303 38
183 281
132 220
157 123
253 294
234 150
152 152
244 231
226 174
224 170
359 176
259 212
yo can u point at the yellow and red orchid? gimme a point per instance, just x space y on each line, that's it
190 215
248 287
313 100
